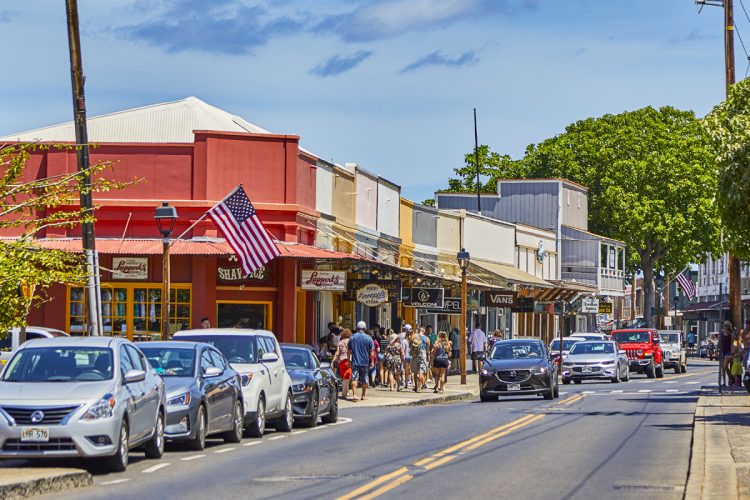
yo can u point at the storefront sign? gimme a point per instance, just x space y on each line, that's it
544 307
392 286
129 268
524 305
451 305
229 272
426 297
590 305
372 295
605 308
499 299
323 280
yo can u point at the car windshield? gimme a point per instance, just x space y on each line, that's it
171 361
624 337
593 348
670 338
297 358
60 364
516 351
236 348
567 344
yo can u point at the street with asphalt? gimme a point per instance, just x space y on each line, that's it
626 440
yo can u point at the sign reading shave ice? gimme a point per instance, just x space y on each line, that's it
323 280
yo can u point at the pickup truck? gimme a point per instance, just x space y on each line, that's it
643 349
675 355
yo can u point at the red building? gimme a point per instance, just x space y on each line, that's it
190 154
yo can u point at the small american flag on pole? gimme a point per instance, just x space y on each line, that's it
237 219
686 283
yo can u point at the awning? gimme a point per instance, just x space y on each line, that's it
510 274
565 290
214 247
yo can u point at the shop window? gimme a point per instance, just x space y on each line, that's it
114 310
244 315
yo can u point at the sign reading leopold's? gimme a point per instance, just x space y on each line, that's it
372 295
129 268
323 280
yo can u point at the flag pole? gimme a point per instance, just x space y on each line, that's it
205 215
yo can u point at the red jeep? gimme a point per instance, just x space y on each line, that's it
643 350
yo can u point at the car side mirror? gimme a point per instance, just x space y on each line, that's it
621 351
133 376
212 372
269 357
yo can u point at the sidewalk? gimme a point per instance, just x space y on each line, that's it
25 482
407 397
720 462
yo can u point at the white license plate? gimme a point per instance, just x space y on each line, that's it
586 369
514 387
35 434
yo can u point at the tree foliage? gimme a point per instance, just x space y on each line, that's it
27 208
728 127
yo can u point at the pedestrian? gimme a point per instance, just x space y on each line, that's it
362 358
342 358
725 350
440 360
455 338
478 342
745 342
426 350
395 359
497 335
431 334
419 365
407 354
373 373
205 323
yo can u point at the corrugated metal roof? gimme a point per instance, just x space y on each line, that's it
166 122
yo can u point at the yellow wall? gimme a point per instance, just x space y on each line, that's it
343 196
406 249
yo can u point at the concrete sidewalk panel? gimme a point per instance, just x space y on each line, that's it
27 482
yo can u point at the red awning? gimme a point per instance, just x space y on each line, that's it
218 248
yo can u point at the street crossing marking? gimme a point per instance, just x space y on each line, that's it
692 383
645 390
114 481
670 382
276 438
194 457
251 443
618 391
588 392
155 468
672 390
295 433
225 450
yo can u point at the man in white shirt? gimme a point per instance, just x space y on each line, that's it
405 347
478 344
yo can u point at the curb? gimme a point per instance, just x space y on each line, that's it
461 396
48 484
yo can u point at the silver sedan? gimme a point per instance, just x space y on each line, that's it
595 360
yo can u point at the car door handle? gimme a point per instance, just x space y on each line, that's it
262 372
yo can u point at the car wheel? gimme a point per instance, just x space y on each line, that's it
627 375
198 443
556 393
616 378
683 367
258 426
235 434
119 461
312 420
549 394
651 371
566 381
333 412
286 422
486 398
155 445
677 368
577 381
660 371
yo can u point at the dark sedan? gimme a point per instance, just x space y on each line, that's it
314 387
204 395
518 367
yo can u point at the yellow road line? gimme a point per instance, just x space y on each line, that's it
367 487
504 433
571 400
481 436
388 487
439 462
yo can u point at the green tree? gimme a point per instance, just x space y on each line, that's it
27 207
652 181
492 166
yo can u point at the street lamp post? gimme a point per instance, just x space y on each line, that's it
165 217
463 261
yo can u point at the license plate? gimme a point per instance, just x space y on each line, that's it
35 435
514 387
586 369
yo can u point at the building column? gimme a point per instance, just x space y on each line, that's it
286 305
204 290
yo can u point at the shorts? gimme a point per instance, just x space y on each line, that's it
359 373
345 371
380 358
476 355
456 353
441 363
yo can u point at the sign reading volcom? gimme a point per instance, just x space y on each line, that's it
426 297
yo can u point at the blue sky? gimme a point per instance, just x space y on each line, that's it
389 84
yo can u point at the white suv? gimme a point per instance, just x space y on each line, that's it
266 385
10 343
674 355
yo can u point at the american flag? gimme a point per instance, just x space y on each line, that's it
237 219
686 283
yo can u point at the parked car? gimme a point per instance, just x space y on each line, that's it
643 350
674 352
590 336
596 360
314 387
518 367
204 394
10 342
266 385
554 346
90 397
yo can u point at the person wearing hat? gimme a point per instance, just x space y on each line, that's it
361 350
394 361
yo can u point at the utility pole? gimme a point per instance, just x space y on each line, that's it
476 157
93 287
